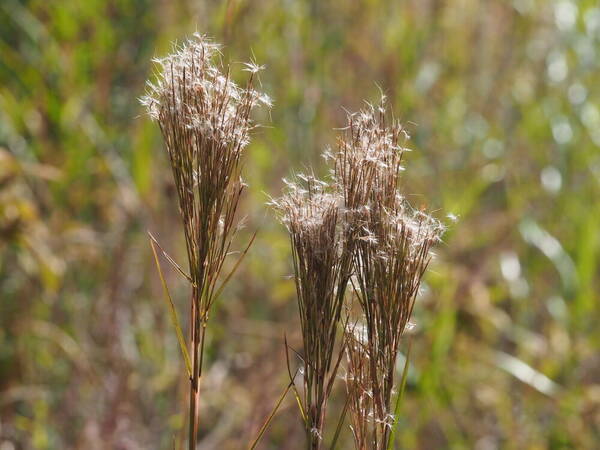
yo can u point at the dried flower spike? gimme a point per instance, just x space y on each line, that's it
311 215
391 251
205 121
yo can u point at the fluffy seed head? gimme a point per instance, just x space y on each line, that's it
369 156
191 88
205 121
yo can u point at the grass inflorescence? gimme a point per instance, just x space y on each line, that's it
356 230
205 122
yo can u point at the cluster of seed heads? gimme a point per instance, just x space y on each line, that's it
355 229
358 230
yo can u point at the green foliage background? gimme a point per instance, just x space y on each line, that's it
502 99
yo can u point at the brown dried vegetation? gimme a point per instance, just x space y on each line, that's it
205 121
356 229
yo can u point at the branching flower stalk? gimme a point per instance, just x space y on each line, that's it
205 122
312 217
392 251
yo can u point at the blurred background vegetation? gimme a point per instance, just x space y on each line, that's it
503 102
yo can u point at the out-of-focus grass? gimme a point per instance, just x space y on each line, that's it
503 102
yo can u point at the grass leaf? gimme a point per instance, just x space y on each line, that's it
296 394
237 264
172 310
171 261
340 423
273 412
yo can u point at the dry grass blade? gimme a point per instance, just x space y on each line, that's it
235 267
272 414
171 261
172 311
292 378
340 424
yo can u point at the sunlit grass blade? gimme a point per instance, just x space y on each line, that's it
399 397
526 374
172 310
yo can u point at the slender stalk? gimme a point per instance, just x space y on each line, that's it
193 425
